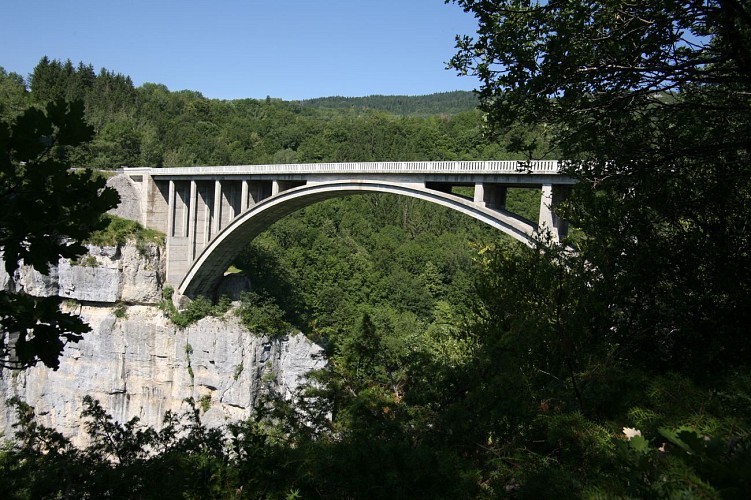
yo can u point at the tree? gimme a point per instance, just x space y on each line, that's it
46 211
13 95
46 81
603 66
652 101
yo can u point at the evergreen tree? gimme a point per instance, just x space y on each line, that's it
14 96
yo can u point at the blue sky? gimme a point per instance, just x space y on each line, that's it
226 49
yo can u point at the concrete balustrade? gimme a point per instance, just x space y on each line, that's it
402 167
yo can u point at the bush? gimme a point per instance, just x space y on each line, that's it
119 231
260 314
197 309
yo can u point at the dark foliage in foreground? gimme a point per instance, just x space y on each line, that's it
47 210
619 369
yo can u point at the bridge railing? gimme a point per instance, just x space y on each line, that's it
403 167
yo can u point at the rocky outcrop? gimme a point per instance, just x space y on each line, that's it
131 274
143 365
136 362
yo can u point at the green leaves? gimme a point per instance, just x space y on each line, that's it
649 102
46 211
47 208
600 71
261 315
126 460
39 330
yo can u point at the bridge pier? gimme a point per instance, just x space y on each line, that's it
244 193
216 218
552 196
490 195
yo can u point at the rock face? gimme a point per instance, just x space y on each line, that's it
136 362
131 274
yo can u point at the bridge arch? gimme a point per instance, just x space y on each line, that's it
210 265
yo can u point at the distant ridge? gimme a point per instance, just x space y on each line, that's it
449 103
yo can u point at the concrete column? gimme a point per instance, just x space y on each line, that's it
552 195
276 188
193 201
480 193
153 202
217 210
244 196
148 186
171 214
171 210
180 222
490 195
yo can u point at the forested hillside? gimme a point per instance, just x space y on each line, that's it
396 259
444 103
152 126
402 269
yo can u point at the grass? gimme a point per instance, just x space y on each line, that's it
119 231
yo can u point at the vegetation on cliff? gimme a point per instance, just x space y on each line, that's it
118 231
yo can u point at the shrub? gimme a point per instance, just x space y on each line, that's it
198 308
119 231
260 314
120 311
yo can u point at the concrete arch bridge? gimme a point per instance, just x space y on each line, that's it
210 214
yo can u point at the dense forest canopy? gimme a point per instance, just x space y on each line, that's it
152 126
444 103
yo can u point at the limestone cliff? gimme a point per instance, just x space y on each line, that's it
131 274
135 361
